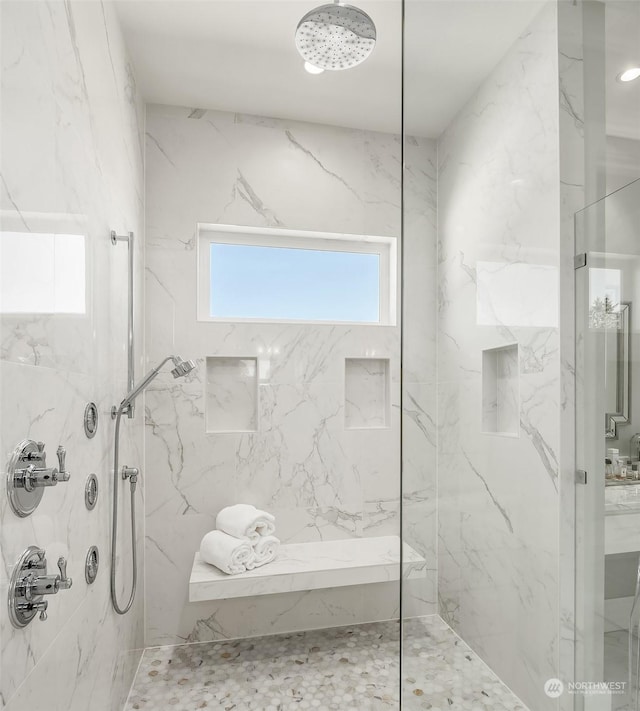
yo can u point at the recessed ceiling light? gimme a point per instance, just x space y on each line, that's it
312 69
629 74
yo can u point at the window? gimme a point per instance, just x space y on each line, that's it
262 274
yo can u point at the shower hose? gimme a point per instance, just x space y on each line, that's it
114 528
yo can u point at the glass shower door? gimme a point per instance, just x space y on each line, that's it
607 425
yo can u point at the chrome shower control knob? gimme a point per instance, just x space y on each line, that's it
28 589
36 453
28 475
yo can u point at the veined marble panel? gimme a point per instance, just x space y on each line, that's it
498 513
231 159
419 363
322 481
420 263
71 164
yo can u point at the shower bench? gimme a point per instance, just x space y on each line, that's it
311 566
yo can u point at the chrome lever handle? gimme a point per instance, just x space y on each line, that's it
33 587
28 475
33 477
62 474
61 453
64 583
42 607
27 591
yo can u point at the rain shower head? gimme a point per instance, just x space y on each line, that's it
335 36
182 367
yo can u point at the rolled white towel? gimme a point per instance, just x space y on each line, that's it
245 521
229 554
265 550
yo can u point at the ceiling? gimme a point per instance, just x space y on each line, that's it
239 55
622 27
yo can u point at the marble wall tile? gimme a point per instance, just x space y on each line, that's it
321 480
419 493
420 263
288 612
72 125
498 502
351 171
89 644
420 437
419 368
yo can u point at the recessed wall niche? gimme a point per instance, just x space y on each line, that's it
366 393
232 394
501 391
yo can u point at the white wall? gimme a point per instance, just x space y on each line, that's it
499 251
320 480
72 164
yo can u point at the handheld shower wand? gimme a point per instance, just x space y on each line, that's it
181 368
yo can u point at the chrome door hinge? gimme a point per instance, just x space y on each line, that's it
581 476
580 260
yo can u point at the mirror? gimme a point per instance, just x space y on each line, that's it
617 367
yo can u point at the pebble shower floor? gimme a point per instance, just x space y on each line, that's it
346 668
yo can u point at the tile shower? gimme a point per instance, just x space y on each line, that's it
445 429
72 163
302 444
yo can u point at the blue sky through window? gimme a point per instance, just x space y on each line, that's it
248 281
